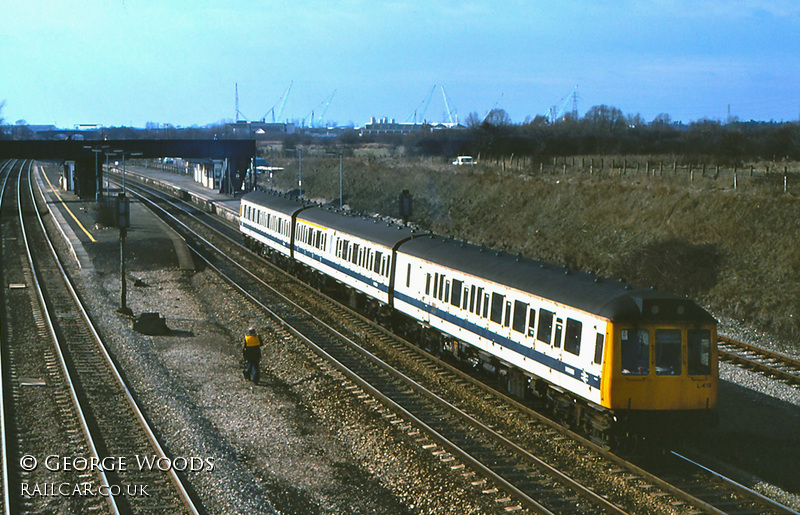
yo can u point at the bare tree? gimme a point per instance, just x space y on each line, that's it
497 117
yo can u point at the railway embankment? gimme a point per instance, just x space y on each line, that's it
725 238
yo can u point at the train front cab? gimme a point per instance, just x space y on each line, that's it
660 375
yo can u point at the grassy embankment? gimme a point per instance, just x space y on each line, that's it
736 252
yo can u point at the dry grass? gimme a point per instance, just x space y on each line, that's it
735 251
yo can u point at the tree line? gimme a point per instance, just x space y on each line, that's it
605 130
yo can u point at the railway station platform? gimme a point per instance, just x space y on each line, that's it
149 244
184 186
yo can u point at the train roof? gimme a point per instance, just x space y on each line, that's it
614 300
368 228
274 200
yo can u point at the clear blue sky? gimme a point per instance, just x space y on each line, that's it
116 62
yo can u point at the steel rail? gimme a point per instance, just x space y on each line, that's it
770 503
790 376
115 372
57 345
3 437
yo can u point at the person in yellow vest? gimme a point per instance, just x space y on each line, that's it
252 355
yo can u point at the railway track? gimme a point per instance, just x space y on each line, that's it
769 363
503 454
74 438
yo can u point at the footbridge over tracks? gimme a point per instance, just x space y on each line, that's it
90 155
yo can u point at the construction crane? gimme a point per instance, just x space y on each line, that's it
282 101
493 107
310 116
325 109
238 113
447 107
426 102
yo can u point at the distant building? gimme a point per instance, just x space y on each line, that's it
257 130
381 126
377 126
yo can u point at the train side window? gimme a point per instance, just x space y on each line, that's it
472 299
572 338
465 304
532 323
436 285
379 260
635 350
520 312
699 350
485 305
497 307
446 296
545 326
559 330
427 284
455 298
441 287
598 348
354 256
507 320
408 275
668 352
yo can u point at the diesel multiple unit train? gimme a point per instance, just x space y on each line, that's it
601 353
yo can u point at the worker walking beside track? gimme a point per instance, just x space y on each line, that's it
252 355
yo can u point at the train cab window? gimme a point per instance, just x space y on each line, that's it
668 352
532 323
699 350
635 351
572 338
545 326
598 348
497 307
455 298
520 312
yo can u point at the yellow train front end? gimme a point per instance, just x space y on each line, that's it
661 371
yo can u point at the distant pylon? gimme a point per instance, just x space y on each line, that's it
236 115
575 103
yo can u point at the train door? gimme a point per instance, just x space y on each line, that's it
558 336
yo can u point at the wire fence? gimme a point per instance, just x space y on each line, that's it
780 176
